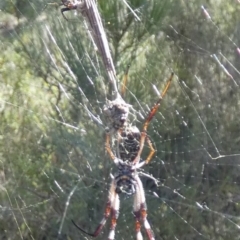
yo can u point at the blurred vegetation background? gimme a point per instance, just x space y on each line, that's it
53 164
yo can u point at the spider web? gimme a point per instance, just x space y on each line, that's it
54 167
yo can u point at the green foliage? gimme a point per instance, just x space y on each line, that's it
52 148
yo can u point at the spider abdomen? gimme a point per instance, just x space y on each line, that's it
129 144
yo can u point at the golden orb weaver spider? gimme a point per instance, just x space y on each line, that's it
129 147
130 143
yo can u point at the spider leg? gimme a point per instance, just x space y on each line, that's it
108 147
69 7
140 212
64 10
112 208
144 136
152 150
141 145
114 213
157 104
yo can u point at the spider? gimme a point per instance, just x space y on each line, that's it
71 5
130 143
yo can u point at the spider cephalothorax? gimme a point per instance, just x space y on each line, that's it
128 149
116 114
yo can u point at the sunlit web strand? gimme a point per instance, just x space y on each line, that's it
214 55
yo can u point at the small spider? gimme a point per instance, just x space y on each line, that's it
72 5
130 143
